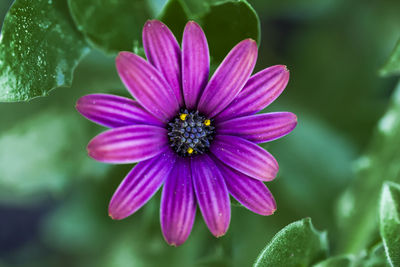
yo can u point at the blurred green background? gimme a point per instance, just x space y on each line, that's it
54 198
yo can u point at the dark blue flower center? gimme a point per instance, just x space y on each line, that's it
190 133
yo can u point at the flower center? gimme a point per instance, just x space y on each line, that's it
190 133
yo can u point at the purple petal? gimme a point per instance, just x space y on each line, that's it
260 91
114 111
141 183
128 144
178 204
251 193
163 52
259 128
147 85
212 194
229 78
245 156
195 63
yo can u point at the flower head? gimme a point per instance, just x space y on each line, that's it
196 137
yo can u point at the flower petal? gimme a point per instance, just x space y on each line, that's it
128 144
114 111
147 85
178 204
212 194
195 63
245 156
141 183
163 52
251 193
260 91
259 128
229 78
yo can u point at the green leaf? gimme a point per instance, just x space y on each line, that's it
44 153
298 244
392 66
228 23
301 170
375 257
201 7
225 23
109 25
337 261
358 206
390 221
175 16
39 49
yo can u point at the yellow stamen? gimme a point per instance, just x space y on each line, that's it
190 150
207 122
183 116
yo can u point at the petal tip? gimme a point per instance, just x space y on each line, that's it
81 102
270 212
251 42
248 42
151 24
192 23
123 55
286 68
78 105
91 151
293 121
283 67
174 241
220 231
218 235
274 172
269 209
295 118
115 218
112 212
111 216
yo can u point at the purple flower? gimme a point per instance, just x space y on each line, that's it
197 137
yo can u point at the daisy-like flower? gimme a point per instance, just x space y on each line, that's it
197 137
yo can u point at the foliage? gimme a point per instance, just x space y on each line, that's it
390 221
39 49
334 50
296 244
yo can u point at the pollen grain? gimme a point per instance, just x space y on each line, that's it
183 116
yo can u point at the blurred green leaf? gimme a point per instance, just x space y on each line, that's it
358 207
4 6
298 244
337 261
175 15
227 23
375 257
39 49
44 153
307 171
392 66
75 225
201 7
390 221
109 25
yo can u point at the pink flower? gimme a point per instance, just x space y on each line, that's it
195 136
